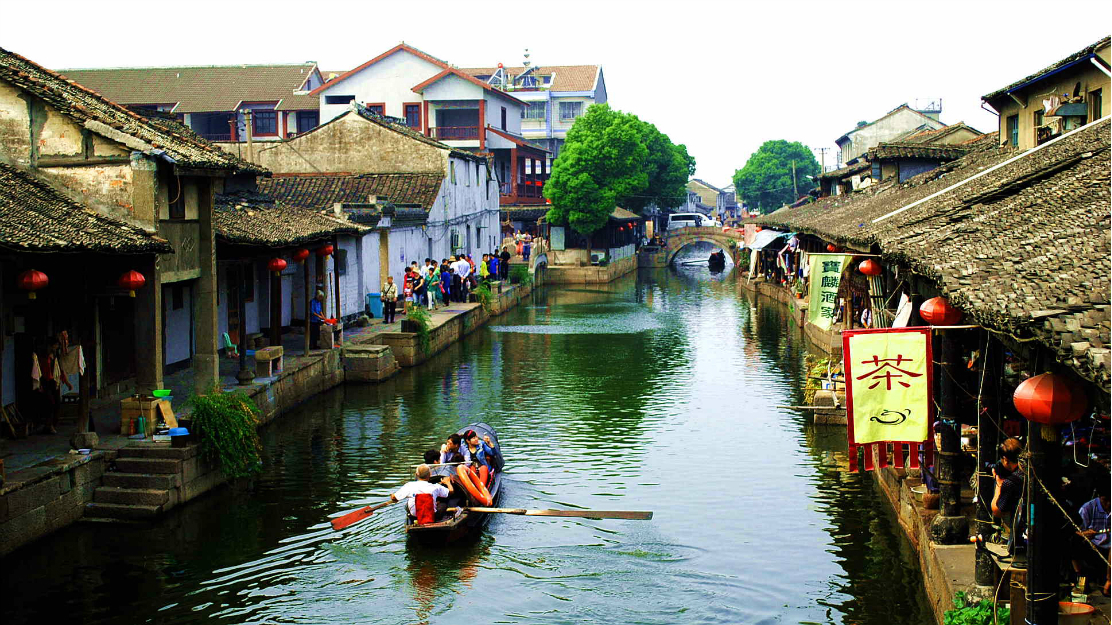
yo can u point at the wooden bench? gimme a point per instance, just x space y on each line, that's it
268 361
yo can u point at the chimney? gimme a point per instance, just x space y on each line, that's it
250 145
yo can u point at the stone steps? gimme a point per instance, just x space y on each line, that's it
148 465
158 451
131 496
141 480
121 511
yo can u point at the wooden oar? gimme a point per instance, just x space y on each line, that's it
631 515
352 518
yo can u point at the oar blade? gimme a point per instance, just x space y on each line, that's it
351 518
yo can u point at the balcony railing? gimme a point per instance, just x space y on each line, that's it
454 133
216 136
524 189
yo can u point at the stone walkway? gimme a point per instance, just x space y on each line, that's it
41 453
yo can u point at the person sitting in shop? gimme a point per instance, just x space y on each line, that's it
1087 561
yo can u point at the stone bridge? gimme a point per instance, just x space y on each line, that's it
676 240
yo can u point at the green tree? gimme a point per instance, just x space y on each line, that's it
766 180
603 159
669 166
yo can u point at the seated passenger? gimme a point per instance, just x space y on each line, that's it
454 451
423 486
481 451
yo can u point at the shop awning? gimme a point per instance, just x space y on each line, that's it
765 237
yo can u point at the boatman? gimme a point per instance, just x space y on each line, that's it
424 509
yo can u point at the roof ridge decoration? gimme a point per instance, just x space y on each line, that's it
97 113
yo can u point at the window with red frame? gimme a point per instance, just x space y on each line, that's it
264 123
377 109
413 115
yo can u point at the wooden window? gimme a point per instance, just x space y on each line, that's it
570 110
452 166
264 123
1037 118
307 120
175 198
1097 104
338 99
876 172
340 258
377 109
1013 130
503 118
413 115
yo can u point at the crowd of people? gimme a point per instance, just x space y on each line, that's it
434 284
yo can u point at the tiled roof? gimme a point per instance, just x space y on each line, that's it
916 150
403 217
1023 249
885 116
202 89
247 218
564 77
107 118
36 218
705 184
398 48
526 212
1079 55
321 192
621 214
848 170
518 140
936 135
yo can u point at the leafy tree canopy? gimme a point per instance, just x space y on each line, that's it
609 159
766 180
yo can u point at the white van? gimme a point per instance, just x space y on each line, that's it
683 220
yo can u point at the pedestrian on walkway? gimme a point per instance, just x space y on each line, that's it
463 272
389 300
433 282
526 248
504 266
445 281
419 285
484 269
316 317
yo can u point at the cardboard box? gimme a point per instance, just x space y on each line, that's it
150 408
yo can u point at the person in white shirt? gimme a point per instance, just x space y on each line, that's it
462 268
423 486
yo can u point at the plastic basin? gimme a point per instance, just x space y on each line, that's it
162 392
1070 613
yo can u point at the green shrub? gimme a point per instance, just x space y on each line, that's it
484 295
519 274
421 318
229 425
966 612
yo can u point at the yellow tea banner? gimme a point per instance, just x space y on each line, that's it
825 278
888 384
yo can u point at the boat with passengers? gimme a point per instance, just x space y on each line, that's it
473 486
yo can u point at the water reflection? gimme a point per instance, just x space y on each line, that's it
658 392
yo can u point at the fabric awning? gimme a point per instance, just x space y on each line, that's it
765 237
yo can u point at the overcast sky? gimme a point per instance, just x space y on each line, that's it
720 77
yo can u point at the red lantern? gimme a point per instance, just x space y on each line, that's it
1050 399
830 247
937 311
325 251
32 280
276 265
870 267
132 281
300 255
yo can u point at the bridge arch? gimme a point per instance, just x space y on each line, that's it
676 240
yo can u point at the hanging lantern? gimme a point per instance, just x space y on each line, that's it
870 267
937 311
1050 399
300 255
830 247
324 252
32 280
276 265
132 281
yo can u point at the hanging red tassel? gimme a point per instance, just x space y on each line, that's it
853 458
869 457
898 455
913 456
882 448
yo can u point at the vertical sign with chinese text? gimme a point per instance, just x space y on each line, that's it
888 384
825 278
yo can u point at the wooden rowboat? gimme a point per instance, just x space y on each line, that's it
465 523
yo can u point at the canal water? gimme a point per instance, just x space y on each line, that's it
657 392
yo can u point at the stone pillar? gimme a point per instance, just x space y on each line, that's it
246 375
206 360
985 568
275 308
148 327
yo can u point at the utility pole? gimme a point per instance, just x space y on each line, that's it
795 187
822 153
